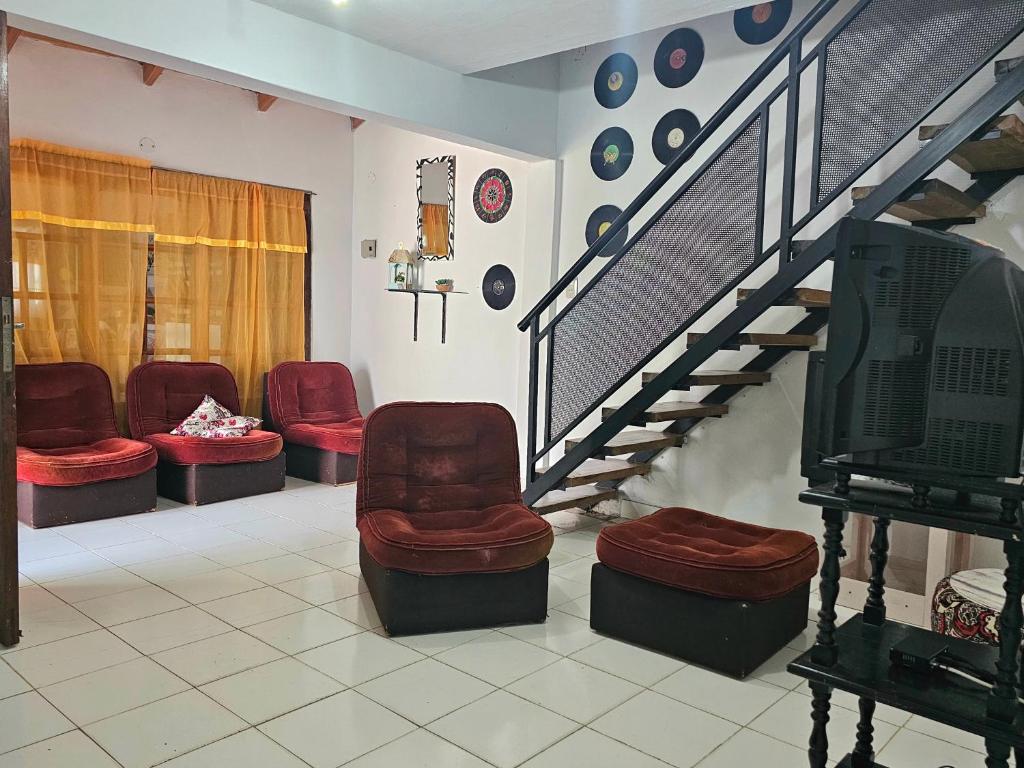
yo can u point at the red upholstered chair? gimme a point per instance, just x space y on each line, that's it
445 542
196 470
73 465
313 406
721 593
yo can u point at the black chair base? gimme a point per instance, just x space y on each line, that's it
414 604
319 465
42 506
730 636
208 483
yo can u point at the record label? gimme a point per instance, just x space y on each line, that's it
615 80
679 57
492 196
598 224
499 288
760 23
611 154
673 132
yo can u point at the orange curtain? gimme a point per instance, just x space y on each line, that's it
435 229
81 224
229 275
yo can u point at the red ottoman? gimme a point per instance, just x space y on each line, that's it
720 593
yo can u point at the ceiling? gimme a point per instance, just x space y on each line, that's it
473 35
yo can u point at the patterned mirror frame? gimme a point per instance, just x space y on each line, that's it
449 160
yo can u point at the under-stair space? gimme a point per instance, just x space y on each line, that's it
983 141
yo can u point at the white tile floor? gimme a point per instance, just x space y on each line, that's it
240 634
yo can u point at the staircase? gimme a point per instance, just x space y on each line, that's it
709 237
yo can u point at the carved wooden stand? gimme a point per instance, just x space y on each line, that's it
854 657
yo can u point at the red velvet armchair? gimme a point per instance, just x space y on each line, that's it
196 470
73 466
445 541
313 406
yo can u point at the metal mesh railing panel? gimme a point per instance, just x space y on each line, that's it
701 243
889 64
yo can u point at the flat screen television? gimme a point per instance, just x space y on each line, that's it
924 368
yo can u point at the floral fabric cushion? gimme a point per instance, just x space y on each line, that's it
212 420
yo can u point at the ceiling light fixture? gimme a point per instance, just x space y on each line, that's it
339 2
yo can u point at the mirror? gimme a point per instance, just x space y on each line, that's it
435 218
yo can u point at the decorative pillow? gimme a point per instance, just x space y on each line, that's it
212 420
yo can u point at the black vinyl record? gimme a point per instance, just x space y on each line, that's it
679 57
612 153
615 80
599 221
674 131
760 23
499 287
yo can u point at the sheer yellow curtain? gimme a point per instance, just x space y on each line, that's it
229 272
81 233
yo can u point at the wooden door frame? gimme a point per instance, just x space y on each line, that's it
9 629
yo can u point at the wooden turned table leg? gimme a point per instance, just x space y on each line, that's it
864 751
825 650
820 703
874 606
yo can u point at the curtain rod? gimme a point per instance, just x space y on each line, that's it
228 178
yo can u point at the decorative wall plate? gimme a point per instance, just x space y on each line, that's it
499 287
674 131
492 196
615 80
611 154
599 221
760 23
679 57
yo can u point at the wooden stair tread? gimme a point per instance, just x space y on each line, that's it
634 440
934 200
582 496
670 411
709 377
1000 149
811 298
596 470
765 339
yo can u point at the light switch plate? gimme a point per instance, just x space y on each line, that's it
369 249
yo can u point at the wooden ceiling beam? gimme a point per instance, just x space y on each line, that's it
264 101
12 37
24 33
151 73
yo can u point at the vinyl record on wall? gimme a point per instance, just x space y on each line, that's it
599 221
679 57
492 196
760 23
612 153
615 80
499 287
674 131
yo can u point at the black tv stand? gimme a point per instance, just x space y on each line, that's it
855 656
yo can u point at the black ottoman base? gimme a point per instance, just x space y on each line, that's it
41 506
208 483
320 466
414 604
730 636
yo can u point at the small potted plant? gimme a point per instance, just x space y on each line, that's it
444 284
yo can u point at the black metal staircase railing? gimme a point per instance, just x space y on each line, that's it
881 70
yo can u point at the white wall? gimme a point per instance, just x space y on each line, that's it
483 358
100 103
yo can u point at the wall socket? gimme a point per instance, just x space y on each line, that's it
369 249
